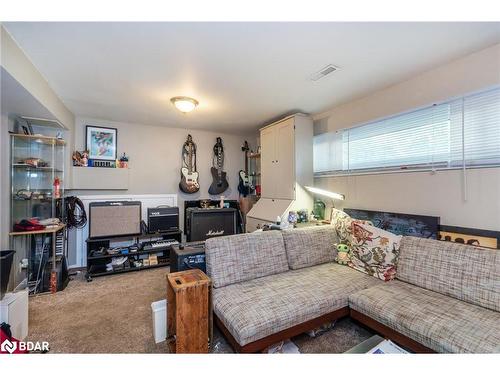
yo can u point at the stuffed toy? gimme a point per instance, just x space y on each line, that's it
343 256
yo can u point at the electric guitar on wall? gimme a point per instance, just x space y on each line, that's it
219 183
244 186
189 177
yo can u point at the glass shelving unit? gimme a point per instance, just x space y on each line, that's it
37 163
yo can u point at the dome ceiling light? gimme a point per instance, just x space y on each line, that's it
184 104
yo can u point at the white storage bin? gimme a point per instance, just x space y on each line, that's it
159 320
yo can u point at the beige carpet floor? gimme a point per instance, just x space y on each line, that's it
113 315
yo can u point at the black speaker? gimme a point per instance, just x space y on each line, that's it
204 223
163 219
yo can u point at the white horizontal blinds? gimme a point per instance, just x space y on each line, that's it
328 152
482 128
417 138
440 136
456 145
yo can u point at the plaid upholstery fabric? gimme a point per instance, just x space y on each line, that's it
232 259
444 324
311 246
260 307
465 272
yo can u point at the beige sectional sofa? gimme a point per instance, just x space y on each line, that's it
446 297
269 286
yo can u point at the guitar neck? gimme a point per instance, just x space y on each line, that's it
246 162
190 158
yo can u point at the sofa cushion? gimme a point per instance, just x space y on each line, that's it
261 307
342 223
441 323
374 251
232 259
469 273
310 246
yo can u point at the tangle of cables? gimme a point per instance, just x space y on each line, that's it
76 217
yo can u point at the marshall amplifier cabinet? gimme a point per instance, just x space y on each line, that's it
188 256
204 223
163 219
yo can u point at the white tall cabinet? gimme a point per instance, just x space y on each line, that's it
286 168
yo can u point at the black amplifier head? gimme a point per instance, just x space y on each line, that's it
163 219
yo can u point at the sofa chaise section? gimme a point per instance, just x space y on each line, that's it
441 323
446 299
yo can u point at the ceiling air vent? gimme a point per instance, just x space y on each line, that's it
324 72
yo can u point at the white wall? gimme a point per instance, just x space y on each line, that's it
468 74
155 158
439 194
4 181
20 67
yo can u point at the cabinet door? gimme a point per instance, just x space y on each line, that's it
267 162
285 160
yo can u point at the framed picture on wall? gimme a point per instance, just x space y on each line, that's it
398 223
470 236
101 142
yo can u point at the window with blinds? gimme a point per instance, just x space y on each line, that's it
460 132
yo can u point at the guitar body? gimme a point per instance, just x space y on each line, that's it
219 183
189 181
189 177
244 187
219 180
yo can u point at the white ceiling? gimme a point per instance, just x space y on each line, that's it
16 100
243 74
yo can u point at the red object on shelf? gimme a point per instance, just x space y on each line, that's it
257 189
28 225
57 188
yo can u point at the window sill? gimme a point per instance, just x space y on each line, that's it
409 170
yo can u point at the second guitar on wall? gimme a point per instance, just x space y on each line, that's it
189 183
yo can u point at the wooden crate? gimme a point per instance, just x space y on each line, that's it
188 311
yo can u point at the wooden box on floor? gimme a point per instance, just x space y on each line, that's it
188 311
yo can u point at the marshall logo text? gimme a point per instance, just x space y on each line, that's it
215 233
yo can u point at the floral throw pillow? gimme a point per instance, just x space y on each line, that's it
374 251
342 223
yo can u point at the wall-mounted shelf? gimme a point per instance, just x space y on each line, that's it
94 178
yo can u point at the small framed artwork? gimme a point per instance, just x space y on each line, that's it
470 236
101 142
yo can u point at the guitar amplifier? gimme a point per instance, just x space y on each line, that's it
121 218
163 219
204 223
188 256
